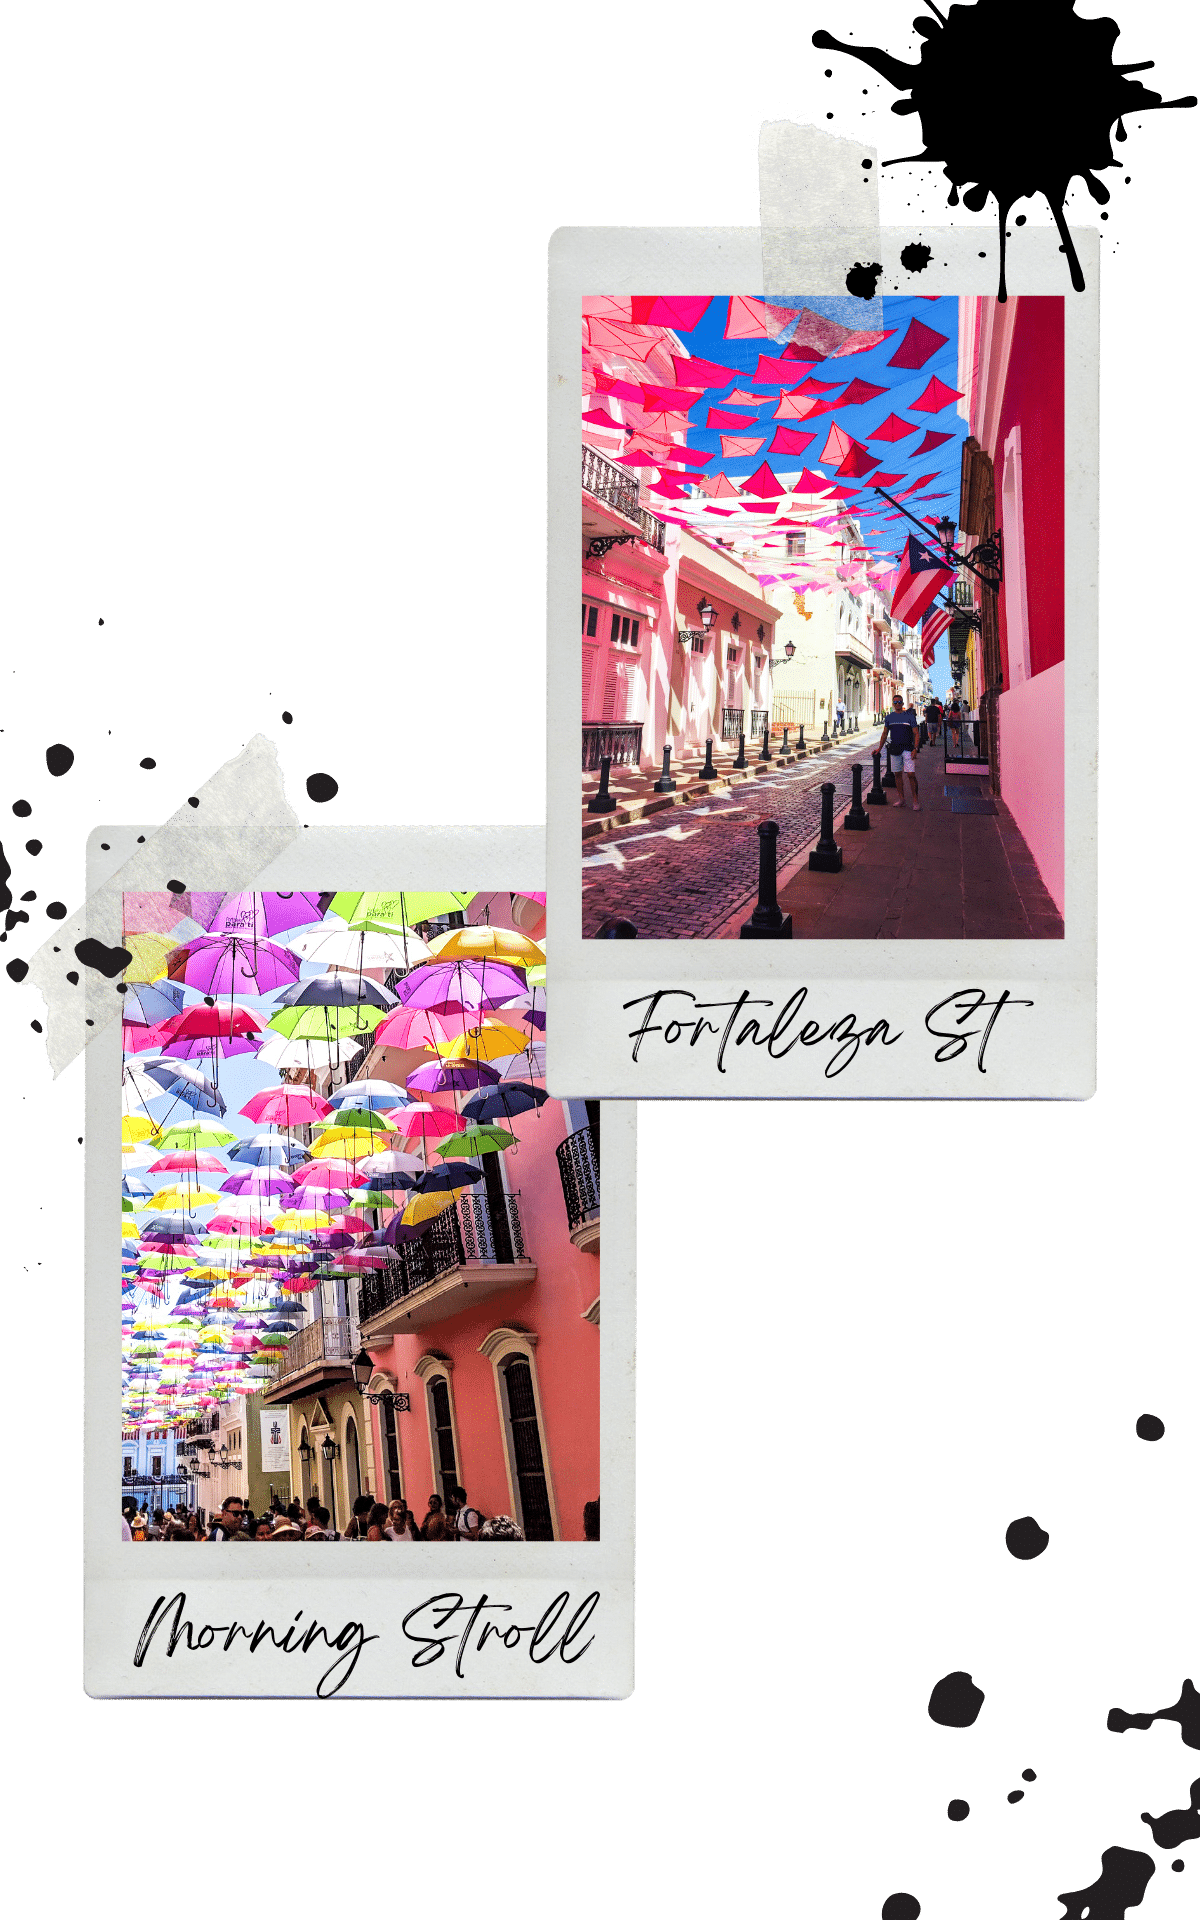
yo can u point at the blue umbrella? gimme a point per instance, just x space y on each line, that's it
197 1092
375 1095
146 1005
268 1150
135 1188
503 1103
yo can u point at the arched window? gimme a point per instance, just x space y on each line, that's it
511 1352
441 1428
353 1470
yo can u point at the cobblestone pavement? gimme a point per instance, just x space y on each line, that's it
681 875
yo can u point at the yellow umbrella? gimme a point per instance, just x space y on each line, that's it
173 1198
135 1127
290 1221
426 1206
149 952
350 1143
492 1041
487 943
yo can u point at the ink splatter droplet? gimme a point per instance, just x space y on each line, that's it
36 1025
1025 1539
148 764
1186 1711
33 846
955 1701
957 1810
1057 98
16 970
915 257
1029 1774
192 801
320 786
22 809
1124 1877
1171 1829
31 895
1016 1794
286 718
109 961
1177 1866
1150 1427
59 759
73 977
176 886
861 279
56 911
900 1906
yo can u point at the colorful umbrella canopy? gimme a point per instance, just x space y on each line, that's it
394 912
492 1041
265 914
335 945
326 1023
503 1103
338 990
471 986
286 1106
479 1140
459 1077
225 964
487 943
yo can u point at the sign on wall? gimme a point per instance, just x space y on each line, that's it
276 1443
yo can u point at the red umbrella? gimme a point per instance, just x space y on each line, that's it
204 1022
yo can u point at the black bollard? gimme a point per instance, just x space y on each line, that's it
826 856
768 921
877 797
708 771
800 746
603 801
785 735
889 778
616 929
856 723
740 762
666 784
765 749
825 734
858 820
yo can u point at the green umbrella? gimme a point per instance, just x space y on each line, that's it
476 1140
362 1119
193 1139
325 1023
394 912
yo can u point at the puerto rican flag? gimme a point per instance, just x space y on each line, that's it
933 627
922 575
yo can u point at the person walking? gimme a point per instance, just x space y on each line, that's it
359 1518
898 736
465 1522
228 1523
839 725
434 1512
402 1523
128 1515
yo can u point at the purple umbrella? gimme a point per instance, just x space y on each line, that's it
259 1180
453 986
202 1046
262 915
458 1077
229 963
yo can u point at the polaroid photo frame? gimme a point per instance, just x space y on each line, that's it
696 954
539 1617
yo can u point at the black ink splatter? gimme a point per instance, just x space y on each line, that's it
148 764
59 759
36 1025
13 918
1186 1711
321 786
33 846
5 890
1124 1877
1177 1866
1029 1774
915 257
900 1906
1172 1828
1025 1539
1150 1427
106 960
16 970
56 911
286 718
958 1810
1018 1793
176 886
22 809
73 977
955 1701
861 279
31 895
1055 91
192 801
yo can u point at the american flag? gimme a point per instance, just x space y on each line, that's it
932 628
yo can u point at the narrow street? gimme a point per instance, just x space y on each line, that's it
683 873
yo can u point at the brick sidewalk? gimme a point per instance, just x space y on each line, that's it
957 870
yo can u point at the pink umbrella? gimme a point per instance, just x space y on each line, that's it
414 1027
286 1106
203 1048
424 1122
192 1162
317 1175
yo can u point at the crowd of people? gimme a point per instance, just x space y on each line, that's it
451 1519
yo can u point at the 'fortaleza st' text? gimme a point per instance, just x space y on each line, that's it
444 1626
672 1016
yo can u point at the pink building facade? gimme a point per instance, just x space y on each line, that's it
1011 372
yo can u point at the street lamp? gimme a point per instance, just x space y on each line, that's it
307 1456
362 1366
329 1448
708 613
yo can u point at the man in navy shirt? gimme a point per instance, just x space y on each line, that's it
900 735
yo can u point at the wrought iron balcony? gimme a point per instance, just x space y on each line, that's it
758 720
473 1248
319 1343
619 489
622 745
731 722
579 1174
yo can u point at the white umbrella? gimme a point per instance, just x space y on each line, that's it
335 945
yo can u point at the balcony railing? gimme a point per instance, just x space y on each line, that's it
621 490
758 720
622 745
321 1340
478 1228
731 722
579 1174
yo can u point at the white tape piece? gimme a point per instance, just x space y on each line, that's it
818 208
243 821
